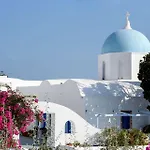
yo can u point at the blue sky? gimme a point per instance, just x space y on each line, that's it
47 39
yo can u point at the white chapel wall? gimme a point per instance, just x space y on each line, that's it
106 60
111 97
110 105
117 66
124 65
136 57
98 99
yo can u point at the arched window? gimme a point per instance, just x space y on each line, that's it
68 127
120 70
103 70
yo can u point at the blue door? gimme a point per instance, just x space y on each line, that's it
126 122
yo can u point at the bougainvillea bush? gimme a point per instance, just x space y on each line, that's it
17 112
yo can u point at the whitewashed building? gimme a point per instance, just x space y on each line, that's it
79 107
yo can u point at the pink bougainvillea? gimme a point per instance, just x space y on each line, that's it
148 147
16 114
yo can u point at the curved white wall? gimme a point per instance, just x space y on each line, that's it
88 98
83 99
83 130
66 94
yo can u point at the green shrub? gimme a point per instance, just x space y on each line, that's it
76 143
84 145
110 136
123 138
114 137
137 137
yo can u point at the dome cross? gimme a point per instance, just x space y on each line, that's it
127 15
128 26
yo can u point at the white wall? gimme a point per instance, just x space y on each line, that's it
66 94
136 57
118 66
100 97
77 96
101 148
82 131
109 105
32 90
106 59
112 97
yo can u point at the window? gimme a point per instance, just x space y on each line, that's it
68 127
103 70
120 70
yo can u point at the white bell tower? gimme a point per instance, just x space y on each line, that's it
121 54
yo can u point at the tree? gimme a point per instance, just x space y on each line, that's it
144 77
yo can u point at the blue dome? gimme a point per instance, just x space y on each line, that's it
126 40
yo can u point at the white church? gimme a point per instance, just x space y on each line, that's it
79 108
